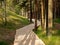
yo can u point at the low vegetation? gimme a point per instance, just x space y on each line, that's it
53 39
57 20
14 22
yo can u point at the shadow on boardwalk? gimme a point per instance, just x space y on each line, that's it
29 39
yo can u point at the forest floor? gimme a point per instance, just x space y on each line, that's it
57 26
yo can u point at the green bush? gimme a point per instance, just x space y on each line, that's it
3 43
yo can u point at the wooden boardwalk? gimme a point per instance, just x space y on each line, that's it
25 36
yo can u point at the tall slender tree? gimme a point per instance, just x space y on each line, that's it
30 10
50 14
46 11
43 13
5 15
1 11
36 11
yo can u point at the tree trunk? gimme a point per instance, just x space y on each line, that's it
2 13
43 14
50 14
54 11
5 15
36 11
46 20
30 10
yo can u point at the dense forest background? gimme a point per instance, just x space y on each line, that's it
15 14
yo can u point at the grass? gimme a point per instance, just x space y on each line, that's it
57 20
14 21
53 39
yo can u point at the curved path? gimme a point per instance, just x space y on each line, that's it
25 36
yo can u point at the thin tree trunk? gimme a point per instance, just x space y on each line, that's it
30 10
49 16
54 11
2 13
50 12
36 11
46 7
43 14
5 13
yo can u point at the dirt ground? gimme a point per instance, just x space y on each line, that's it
57 26
7 35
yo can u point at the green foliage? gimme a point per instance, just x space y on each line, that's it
1 0
57 20
3 43
24 4
17 9
53 39
15 21
14 2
